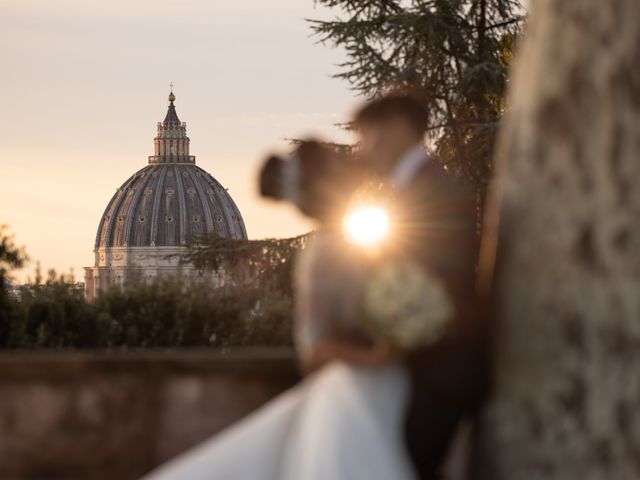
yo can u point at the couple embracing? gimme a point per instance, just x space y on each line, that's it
387 329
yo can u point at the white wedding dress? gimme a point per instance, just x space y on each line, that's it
341 423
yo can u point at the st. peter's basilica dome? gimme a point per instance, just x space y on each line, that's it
158 209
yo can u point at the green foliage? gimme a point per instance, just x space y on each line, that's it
168 313
267 262
454 53
11 256
52 314
163 314
255 309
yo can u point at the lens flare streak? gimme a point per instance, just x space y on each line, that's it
367 225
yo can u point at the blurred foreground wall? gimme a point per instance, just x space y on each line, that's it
116 415
566 401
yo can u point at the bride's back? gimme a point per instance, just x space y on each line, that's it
329 285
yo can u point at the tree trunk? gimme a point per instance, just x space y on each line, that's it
566 287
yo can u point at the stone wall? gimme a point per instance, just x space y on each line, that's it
567 278
116 415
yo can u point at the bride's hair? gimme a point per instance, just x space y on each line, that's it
313 177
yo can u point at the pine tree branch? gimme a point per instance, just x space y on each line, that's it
520 19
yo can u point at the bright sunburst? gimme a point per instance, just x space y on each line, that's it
366 225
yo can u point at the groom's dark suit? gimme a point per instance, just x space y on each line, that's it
436 223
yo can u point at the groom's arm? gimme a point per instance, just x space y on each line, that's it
455 367
450 378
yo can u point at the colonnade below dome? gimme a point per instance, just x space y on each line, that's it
119 266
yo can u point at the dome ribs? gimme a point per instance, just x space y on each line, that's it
101 227
119 197
170 199
221 195
215 210
206 209
155 212
182 204
131 214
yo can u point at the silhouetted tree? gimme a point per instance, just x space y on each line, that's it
11 257
454 53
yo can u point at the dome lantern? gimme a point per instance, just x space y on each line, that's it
171 144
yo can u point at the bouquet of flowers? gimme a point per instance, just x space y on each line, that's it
406 306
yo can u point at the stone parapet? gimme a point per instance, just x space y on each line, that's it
111 415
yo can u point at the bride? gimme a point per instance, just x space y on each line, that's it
345 419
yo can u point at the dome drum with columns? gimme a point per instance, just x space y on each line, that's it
149 220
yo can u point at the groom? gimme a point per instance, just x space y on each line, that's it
435 227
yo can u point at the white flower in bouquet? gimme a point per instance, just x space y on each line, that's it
406 306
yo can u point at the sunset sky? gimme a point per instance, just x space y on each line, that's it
84 83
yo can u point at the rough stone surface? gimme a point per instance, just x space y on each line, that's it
115 415
567 283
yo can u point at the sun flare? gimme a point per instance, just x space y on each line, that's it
366 225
